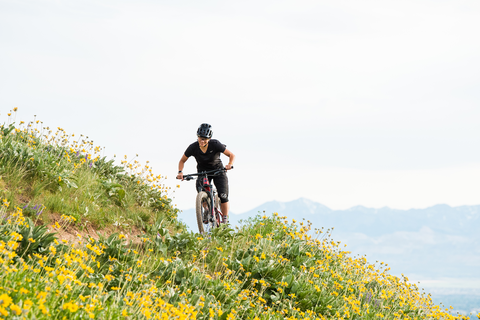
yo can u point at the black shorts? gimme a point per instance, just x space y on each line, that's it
221 183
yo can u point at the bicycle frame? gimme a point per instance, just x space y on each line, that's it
208 188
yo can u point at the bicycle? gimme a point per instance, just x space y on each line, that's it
208 216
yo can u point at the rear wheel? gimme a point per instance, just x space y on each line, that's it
203 208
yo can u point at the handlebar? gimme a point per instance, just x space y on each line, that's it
210 173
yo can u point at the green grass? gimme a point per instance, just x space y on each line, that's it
69 177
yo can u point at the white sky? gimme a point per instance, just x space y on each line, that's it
373 103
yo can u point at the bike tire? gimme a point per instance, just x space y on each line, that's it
202 203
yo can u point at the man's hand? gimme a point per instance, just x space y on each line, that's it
180 176
228 167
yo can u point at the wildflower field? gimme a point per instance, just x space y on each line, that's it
52 183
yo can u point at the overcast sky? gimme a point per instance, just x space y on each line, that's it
373 103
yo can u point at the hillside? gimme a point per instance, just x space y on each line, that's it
414 241
128 257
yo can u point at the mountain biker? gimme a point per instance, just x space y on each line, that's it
207 153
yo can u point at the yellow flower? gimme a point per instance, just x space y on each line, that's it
16 309
23 290
27 304
73 307
16 236
5 300
3 312
61 278
5 203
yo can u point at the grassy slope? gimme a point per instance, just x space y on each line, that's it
267 269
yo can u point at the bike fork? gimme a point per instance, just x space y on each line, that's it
212 207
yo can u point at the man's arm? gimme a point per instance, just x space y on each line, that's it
231 157
181 164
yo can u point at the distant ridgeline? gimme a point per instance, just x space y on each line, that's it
463 220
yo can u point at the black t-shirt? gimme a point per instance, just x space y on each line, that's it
209 160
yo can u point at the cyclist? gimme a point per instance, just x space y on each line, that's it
207 153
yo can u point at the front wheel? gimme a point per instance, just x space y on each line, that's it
203 208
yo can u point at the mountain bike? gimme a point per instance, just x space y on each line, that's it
207 204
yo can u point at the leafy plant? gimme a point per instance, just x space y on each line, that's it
115 191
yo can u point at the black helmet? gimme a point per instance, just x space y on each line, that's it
205 131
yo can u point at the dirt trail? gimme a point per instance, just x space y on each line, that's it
73 233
